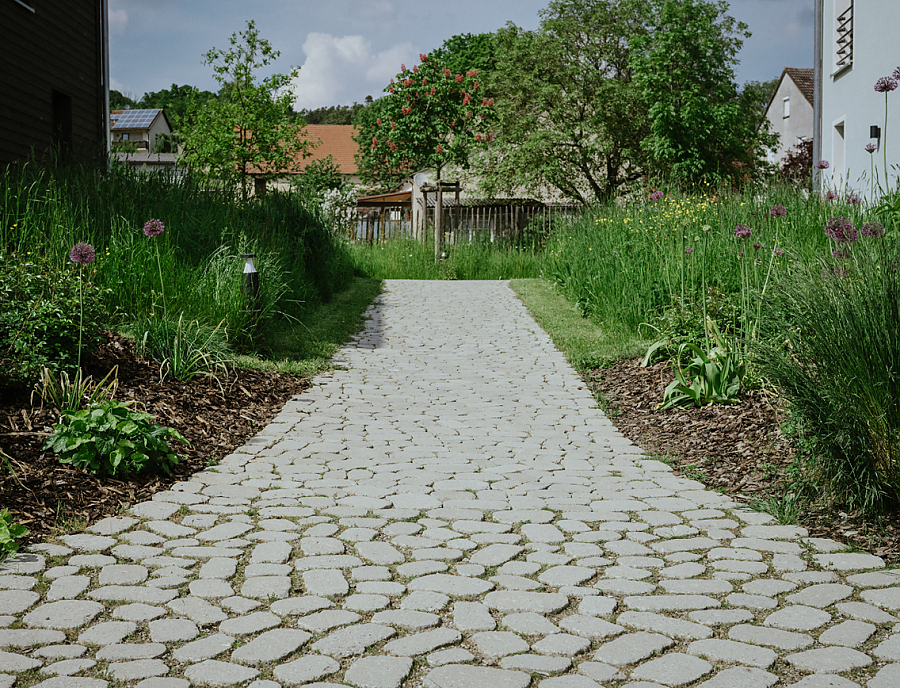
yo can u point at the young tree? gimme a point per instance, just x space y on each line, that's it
569 115
700 130
465 52
175 101
430 118
248 130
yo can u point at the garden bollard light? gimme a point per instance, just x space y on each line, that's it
251 287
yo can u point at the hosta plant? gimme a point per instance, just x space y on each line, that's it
9 533
110 439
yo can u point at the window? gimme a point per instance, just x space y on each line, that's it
843 34
787 107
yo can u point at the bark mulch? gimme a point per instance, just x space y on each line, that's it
46 496
737 449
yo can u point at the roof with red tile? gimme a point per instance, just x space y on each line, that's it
335 140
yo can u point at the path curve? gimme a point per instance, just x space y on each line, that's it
449 510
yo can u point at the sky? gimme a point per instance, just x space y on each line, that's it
348 49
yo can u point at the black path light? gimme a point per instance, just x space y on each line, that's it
251 287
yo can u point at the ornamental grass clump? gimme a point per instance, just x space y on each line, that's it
839 321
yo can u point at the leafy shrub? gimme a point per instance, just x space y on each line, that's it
39 317
110 439
9 533
840 324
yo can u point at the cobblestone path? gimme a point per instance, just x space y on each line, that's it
451 510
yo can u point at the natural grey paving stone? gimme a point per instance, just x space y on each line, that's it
67 667
597 606
697 586
173 630
600 672
685 570
590 627
473 570
625 587
558 576
771 637
84 542
675 628
887 677
798 618
495 555
671 602
388 588
379 553
674 669
422 643
407 618
169 529
324 621
529 623
138 669
132 593
873 579
207 647
454 655
849 634
425 601
215 673
831 660
298 606
270 646
631 648
249 623
15 602
267 587
849 561
336 561
536 664
305 670
239 605
123 574
64 615
807 577
453 586
378 672
218 567
71 682
55 572
472 616
353 640
508 601
210 588
197 610
734 652
60 651
138 612
515 582
91 560
164 683
14 582
887 598
140 552
371 573
467 676
741 677
820 596
571 681
24 563
768 587
888 649
270 553
108 633
824 681
497 644
325 582
366 603
720 617
561 644
123 651
22 638
16 663
67 588
415 569
741 599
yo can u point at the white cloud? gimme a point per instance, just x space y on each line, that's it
341 70
117 21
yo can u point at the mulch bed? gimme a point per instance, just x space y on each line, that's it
738 449
45 495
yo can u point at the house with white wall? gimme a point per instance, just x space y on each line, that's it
790 110
856 44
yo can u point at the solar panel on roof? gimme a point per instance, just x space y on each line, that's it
136 119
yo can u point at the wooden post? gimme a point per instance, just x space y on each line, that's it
438 212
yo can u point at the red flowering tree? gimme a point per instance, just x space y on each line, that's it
428 119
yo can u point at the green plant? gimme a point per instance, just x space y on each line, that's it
786 508
9 533
108 438
65 395
185 349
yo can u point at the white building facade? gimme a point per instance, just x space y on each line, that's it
790 111
857 43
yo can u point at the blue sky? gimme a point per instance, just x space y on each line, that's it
348 49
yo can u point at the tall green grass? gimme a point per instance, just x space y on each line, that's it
409 259
45 210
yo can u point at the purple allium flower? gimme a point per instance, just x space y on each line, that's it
742 231
656 196
758 261
896 74
689 250
872 229
756 247
836 273
841 230
871 148
854 199
740 255
841 253
82 253
822 165
777 251
153 228
886 84
778 211
831 195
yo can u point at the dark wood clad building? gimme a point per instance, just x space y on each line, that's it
54 77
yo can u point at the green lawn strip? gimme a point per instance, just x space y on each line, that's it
306 347
585 343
